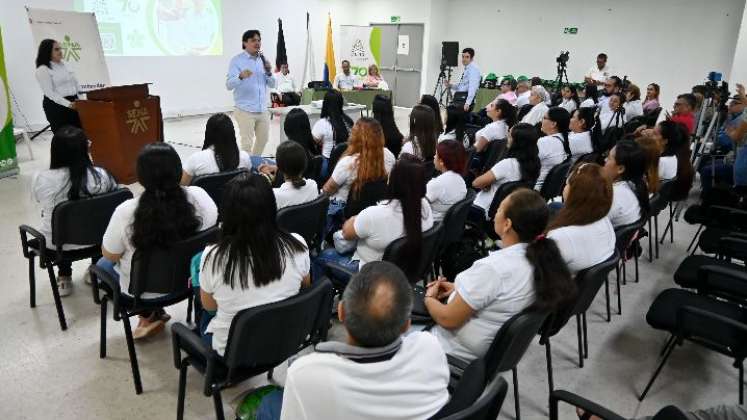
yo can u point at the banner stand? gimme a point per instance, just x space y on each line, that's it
8 158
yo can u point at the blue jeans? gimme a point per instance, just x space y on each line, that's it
740 166
331 257
270 407
335 208
258 160
325 168
108 266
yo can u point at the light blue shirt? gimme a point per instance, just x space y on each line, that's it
250 94
470 82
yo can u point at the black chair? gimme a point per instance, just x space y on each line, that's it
723 222
81 221
213 184
501 193
307 220
254 345
314 169
580 402
626 236
554 182
453 222
163 271
508 347
729 248
588 282
705 318
657 203
334 156
475 396
369 194
493 153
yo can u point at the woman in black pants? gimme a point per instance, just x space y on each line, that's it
59 85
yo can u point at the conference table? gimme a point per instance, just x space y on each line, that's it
354 111
357 96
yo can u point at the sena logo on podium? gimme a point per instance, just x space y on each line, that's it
137 118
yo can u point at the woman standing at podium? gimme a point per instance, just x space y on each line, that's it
59 85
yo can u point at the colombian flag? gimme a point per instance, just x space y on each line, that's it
329 60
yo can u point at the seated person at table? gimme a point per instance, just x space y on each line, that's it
406 213
346 80
448 188
528 271
291 163
254 261
71 176
537 99
625 167
581 228
219 153
503 115
374 80
379 372
521 163
553 147
421 142
163 214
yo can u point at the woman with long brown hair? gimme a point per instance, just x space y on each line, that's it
581 229
421 141
652 149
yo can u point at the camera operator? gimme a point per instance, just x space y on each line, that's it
599 73
715 171
470 81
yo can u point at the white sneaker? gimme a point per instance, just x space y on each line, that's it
64 285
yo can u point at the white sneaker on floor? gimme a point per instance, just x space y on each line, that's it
87 278
64 285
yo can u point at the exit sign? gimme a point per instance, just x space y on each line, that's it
570 31
395 19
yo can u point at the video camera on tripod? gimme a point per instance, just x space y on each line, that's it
713 88
562 59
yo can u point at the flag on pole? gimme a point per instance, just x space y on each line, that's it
8 161
329 59
281 56
309 66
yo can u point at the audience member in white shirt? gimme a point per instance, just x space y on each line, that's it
612 113
570 101
421 141
579 138
553 147
523 92
332 128
291 164
220 152
600 72
624 168
406 214
163 214
612 85
503 115
71 176
497 287
379 372
591 97
581 228
448 188
537 98
346 80
59 85
675 157
633 105
521 163
284 82
253 263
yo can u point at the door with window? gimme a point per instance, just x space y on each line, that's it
401 61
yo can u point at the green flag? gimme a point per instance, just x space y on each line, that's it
8 161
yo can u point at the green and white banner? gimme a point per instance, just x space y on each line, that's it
361 46
8 160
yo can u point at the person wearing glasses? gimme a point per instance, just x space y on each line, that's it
249 76
59 85
684 111
611 86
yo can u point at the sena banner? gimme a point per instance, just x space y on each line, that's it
361 46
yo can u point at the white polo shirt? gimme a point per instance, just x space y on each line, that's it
443 192
599 75
496 287
346 82
584 246
580 144
493 131
505 170
551 153
288 195
522 99
346 172
536 114
625 207
324 132
588 103
203 162
667 167
410 385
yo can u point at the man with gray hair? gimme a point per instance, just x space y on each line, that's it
378 373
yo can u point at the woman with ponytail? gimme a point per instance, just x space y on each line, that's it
625 168
528 271
581 228
291 163
503 115
163 214
554 147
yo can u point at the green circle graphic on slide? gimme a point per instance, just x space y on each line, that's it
178 30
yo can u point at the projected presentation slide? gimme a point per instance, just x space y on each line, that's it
157 27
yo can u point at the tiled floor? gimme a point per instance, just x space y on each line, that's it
47 373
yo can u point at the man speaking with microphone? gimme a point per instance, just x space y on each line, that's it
249 76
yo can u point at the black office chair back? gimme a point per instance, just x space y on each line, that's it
512 340
429 169
660 200
554 182
213 184
416 270
502 192
733 248
166 270
476 396
455 219
724 282
306 219
369 194
84 221
624 235
470 130
493 153
255 341
335 155
314 169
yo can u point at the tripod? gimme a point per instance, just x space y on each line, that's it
560 77
441 91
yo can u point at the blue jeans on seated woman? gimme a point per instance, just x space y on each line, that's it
334 215
330 259
108 266
270 407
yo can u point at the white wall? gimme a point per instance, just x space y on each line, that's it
672 42
739 70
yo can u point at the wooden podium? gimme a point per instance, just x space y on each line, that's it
119 121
